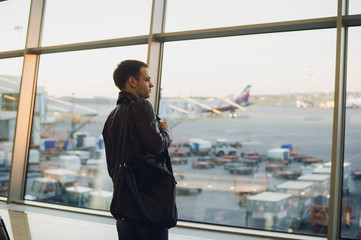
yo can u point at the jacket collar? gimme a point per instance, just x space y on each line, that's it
126 96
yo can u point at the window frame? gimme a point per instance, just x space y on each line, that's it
155 40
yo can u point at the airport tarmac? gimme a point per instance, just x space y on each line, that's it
260 128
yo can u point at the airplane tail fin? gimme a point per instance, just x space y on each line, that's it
243 97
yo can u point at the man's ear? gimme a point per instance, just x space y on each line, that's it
131 81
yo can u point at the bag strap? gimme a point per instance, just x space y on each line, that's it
124 137
167 161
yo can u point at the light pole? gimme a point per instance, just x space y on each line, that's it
18 29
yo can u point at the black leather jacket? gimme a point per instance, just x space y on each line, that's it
145 144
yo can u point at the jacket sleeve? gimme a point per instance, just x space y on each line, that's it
146 124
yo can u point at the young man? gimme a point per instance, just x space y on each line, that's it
146 140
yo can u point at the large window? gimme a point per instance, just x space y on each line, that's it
350 216
89 20
252 124
13 24
10 72
251 107
185 15
75 94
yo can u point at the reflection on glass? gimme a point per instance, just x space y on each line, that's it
13 24
252 124
354 7
350 215
192 15
10 75
75 93
88 20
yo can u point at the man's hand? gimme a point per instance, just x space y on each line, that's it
163 126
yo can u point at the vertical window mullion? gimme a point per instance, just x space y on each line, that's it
155 49
338 138
26 104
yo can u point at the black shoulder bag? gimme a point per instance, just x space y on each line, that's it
154 206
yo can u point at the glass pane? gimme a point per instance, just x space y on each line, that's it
251 118
14 17
89 20
355 7
192 15
10 75
350 215
75 94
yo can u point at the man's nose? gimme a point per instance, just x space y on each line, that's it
151 84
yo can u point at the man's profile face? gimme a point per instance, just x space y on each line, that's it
143 85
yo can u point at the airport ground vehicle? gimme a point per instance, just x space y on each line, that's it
222 161
179 157
232 165
274 166
245 191
308 161
278 155
287 174
173 148
241 163
203 163
249 162
49 189
178 160
200 146
226 159
226 147
317 214
241 170
300 158
4 181
187 190
46 189
252 156
287 224
356 174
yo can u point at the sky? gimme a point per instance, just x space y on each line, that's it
272 63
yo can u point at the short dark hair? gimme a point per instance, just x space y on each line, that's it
126 69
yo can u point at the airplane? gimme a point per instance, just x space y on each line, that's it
353 102
239 103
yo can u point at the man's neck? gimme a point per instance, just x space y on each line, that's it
130 90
